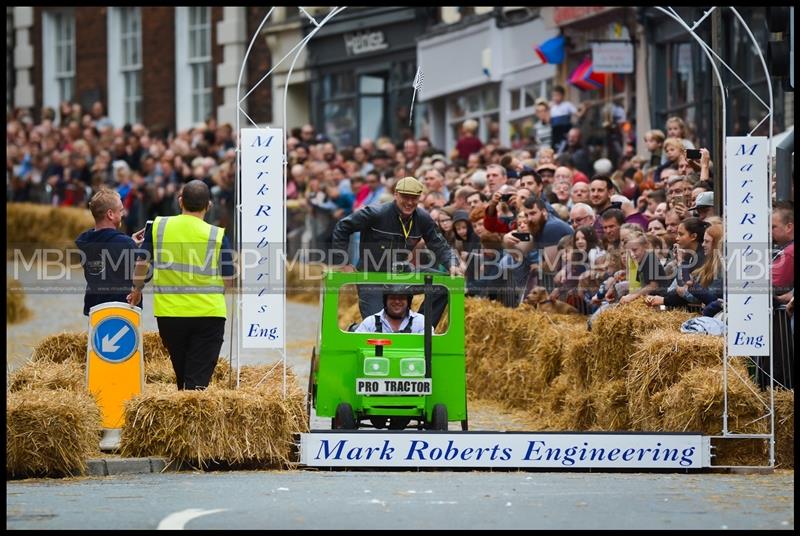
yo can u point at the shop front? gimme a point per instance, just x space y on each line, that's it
489 73
362 66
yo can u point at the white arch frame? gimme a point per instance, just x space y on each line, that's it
297 49
712 56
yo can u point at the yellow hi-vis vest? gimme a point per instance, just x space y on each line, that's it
186 268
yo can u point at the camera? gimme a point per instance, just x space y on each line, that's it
505 198
693 154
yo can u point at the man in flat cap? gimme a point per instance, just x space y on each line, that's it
388 234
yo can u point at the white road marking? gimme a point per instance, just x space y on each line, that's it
177 520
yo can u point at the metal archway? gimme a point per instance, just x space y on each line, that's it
713 58
296 50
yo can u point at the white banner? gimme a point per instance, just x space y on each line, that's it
748 221
522 450
262 237
612 57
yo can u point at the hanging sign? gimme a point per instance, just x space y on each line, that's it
262 235
613 57
747 228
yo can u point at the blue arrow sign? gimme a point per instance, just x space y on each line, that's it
115 339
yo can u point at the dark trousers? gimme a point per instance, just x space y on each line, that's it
193 345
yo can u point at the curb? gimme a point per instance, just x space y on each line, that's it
125 466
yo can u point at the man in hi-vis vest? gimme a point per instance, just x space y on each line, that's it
192 268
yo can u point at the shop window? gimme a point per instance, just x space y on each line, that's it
372 105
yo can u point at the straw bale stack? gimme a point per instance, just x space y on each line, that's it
497 336
619 328
153 347
657 364
610 402
46 375
30 224
784 429
303 282
16 311
578 412
61 348
71 346
578 353
50 432
249 427
695 403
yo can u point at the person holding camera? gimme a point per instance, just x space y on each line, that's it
538 246
107 253
389 233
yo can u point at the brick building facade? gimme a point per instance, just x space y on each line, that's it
161 66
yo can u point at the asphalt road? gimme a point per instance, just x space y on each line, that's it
312 499
409 500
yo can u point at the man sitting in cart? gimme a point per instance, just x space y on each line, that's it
396 315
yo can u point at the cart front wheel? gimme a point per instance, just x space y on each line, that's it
344 419
438 418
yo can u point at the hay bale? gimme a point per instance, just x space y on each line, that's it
16 311
578 352
619 328
578 413
303 282
610 403
153 347
29 224
695 403
739 452
50 433
162 371
498 337
46 376
784 429
250 426
61 348
658 363
72 346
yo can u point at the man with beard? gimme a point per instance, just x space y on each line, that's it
396 315
600 191
545 232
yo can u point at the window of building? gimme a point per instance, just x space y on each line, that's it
479 104
65 54
125 65
338 92
522 111
59 57
130 62
200 61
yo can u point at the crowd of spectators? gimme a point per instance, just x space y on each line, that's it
594 225
72 153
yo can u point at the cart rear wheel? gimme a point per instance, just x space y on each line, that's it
345 419
438 418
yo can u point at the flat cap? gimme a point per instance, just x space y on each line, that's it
409 185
